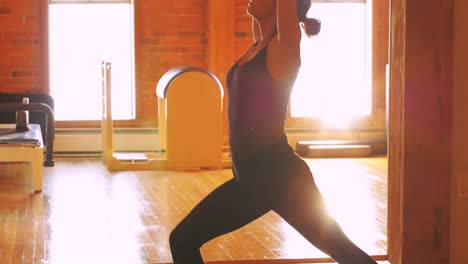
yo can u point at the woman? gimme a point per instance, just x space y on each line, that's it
268 175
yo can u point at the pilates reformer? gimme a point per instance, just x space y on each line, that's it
28 146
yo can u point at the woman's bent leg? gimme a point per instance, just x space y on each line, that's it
225 209
302 206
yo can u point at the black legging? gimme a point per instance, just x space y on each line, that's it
232 205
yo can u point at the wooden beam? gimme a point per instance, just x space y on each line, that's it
380 48
458 227
420 131
395 135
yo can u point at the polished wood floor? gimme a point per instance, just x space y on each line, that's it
86 214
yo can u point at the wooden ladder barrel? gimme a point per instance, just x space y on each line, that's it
190 107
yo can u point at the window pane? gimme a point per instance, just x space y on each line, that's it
332 81
81 36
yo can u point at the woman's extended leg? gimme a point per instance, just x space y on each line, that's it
302 206
225 209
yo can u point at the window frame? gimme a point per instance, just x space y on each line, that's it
376 119
137 121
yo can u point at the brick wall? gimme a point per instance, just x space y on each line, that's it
168 33
20 46
171 33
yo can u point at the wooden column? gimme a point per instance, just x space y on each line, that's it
459 219
380 40
420 131
221 45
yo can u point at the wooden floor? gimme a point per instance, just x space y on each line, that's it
88 215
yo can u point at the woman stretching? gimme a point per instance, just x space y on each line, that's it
268 175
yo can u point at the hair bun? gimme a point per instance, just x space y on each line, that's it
312 26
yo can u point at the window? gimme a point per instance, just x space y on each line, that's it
83 33
334 82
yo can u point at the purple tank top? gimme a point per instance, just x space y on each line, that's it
256 101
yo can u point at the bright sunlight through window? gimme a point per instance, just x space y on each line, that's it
334 82
81 36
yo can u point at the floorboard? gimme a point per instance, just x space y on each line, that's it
86 214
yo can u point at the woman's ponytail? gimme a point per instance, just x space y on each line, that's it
311 25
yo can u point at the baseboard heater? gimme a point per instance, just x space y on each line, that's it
340 148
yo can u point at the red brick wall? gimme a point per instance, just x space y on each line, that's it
20 46
168 33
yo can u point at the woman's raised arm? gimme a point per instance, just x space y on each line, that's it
289 31
284 59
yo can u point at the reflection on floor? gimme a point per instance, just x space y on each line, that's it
88 215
